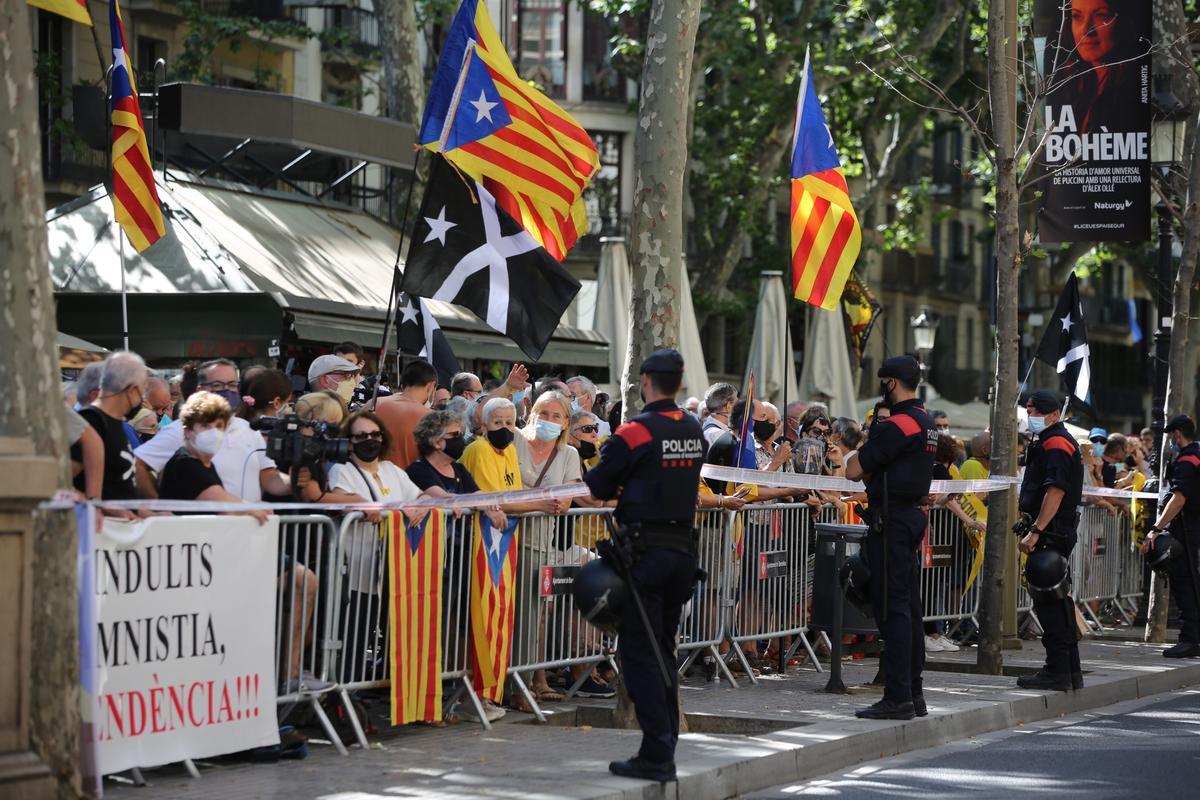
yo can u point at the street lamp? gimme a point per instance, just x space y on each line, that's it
924 328
1166 152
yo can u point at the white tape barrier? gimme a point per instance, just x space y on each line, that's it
567 491
825 483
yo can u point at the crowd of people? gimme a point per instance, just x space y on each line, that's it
199 435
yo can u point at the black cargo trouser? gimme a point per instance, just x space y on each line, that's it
1183 578
1057 616
664 578
902 628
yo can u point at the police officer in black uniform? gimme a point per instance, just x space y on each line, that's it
1050 495
1181 515
651 465
896 463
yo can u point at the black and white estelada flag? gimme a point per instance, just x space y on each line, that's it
1065 347
466 250
418 334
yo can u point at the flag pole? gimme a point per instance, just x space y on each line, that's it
124 304
788 360
387 320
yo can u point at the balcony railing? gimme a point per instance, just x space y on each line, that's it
356 29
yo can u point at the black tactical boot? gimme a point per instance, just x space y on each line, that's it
1051 681
643 769
887 709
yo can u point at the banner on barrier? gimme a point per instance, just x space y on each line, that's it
557 579
184 638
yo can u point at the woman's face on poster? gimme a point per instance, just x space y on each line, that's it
1094 25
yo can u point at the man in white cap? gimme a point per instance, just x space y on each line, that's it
334 374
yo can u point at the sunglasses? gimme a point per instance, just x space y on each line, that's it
362 437
588 428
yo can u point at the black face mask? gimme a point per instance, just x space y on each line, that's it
133 411
454 446
763 429
587 450
500 438
883 391
368 450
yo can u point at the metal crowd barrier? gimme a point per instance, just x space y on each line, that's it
306 547
772 591
759 578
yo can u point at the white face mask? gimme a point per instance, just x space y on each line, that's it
209 442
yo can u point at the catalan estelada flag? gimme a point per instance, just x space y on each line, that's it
826 236
532 156
76 10
415 555
135 200
493 604
745 442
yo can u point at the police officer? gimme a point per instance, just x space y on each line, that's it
896 463
1050 495
651 465
1182 516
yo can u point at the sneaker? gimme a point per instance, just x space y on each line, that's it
466 710
594 688
307 682
934 645
947 645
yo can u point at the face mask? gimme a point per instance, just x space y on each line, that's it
883 391
518 397
763 429
163 421
575 407
232 397
587 450
133 410
500 438
367 450
345 389
547 431
454 447
1098 449
1171 446
1037 424
208 442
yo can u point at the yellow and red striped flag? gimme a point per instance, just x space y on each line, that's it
76 10
135 200
532 156
493 604
826 235
415 556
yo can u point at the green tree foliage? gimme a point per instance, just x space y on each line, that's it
749 56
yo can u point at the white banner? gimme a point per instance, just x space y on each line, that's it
184 638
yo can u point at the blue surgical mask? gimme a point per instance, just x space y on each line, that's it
519 396
1098 449
575 407
1037 424
547 431
1171 446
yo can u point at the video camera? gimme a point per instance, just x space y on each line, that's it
290 447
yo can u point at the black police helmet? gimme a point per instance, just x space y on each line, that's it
855 580
1046 573
600 593
1164 549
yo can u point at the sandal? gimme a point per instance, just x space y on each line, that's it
548 695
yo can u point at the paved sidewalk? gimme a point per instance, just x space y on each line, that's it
743 739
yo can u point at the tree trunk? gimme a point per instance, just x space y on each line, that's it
404 85
41 663
660 159
1170 23
1001 50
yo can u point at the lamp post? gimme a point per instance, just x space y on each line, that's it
924 327
1166 152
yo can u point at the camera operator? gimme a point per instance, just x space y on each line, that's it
324 411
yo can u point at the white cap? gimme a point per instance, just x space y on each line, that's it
323 365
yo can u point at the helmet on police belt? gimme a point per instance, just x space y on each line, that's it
855 580
1046 574
1164 549
599 595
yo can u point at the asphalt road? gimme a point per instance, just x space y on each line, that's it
1127 750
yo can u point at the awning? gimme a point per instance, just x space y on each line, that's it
329 268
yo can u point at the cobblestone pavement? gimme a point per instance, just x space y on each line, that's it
781 721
